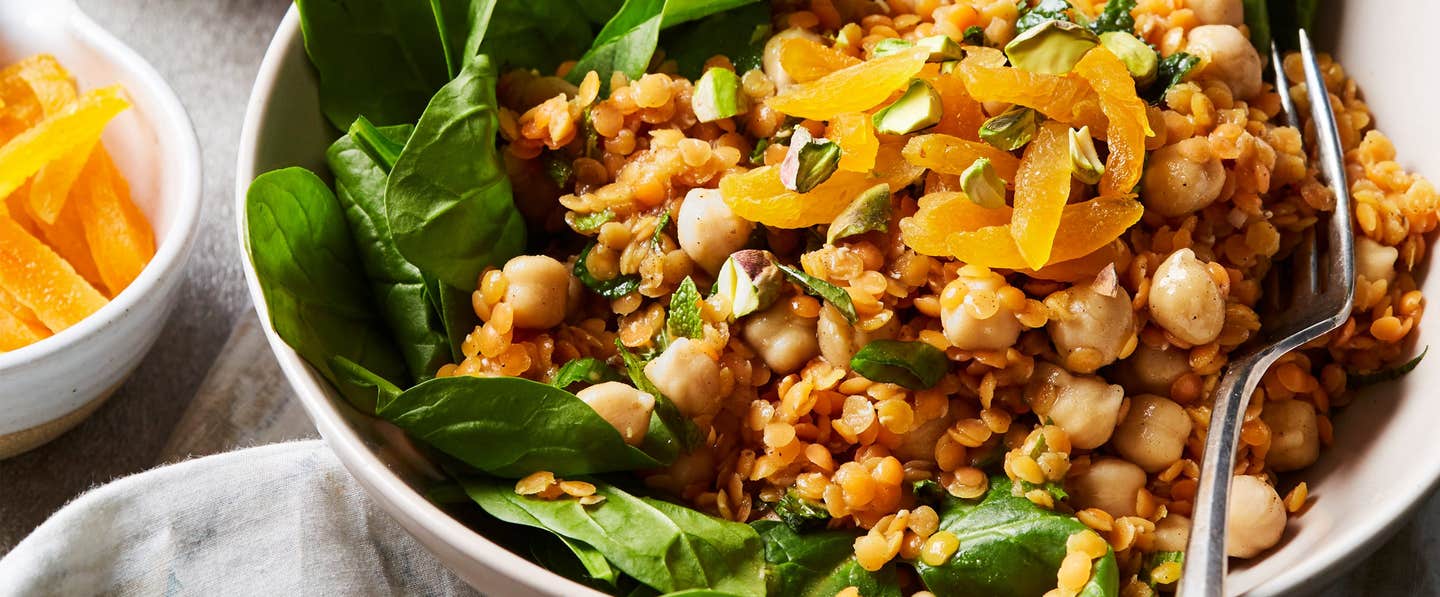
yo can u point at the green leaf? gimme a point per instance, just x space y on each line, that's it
576 561
628 41
1046 10
448 199
836 296
613 288
1156 558
379 58
588 370
535 34
974 36
914 365
511 427
1115 17
1171 71
402 293
314 285
660 226
1286 19
1009 547
592 222
355 375
738 34
1257 19
1359 380
819 564
665 546
667 415
684 320
800 514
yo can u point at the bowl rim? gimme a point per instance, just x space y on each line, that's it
403 502
173 250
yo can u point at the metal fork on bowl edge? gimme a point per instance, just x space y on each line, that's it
1321 290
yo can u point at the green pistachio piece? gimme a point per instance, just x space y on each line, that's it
1052 48
868 212
890 45
1085 163
919 107
808 161
983 185
1012 129
941 48
1139 58
717 95
750 281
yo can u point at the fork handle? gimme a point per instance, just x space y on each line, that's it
1205 559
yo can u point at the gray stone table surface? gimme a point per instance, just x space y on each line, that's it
209 51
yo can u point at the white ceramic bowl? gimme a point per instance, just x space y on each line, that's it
1363 486
50 386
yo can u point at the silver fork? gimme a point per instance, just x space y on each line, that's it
1321 294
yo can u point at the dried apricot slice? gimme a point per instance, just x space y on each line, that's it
1128 124
806 60
962 114
53 88
1058 97
42 281
759 196
1042 186
24 155
952 155
940 214
66 234
1082 268
855 133
18 325
120 237
1084 228
852 89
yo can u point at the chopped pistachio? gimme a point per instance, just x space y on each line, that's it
750 281
1012 129
941 48
1052 48
718 95
890 45
868 212
808 161
919 107
1139 58
949 66
983 185
1084 161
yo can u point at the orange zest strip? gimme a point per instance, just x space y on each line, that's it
940 214
1128 124
852 89
1042 186
952 155
24 155
120 237
858 144
42 281
807 60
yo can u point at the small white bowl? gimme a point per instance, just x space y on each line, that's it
1363 488
50 386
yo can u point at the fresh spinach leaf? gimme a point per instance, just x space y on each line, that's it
665 546
379 58
627 42
1257 20
1359 380
1288 17
511 427
400 289
613 288
1009 547
818 564
448 199
1171 71
914 365
738 34
667 415
836 296
1115 17
576 561
314 285
588 370
380 390
1046 10
801 514
684 320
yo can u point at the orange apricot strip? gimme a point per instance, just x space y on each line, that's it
19 108
1128 124
42 281
1042 186
24 155
18 325
759 196
952 155
17 207
1086 267
852 89
1058 97
1084 228
120 237
807 60
940 214
53 88
65 235
855 133
961 114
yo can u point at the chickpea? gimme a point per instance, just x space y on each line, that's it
1218 12
687 375
1172 533
689 468
1153 433
1227 56
965 331
1294 435
1083 405
783 339
1256 519
770 58
1109 484
1152 370
708 230
1085 319
1374 261
623 407
1182 178
1185 300
537 289
839 340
